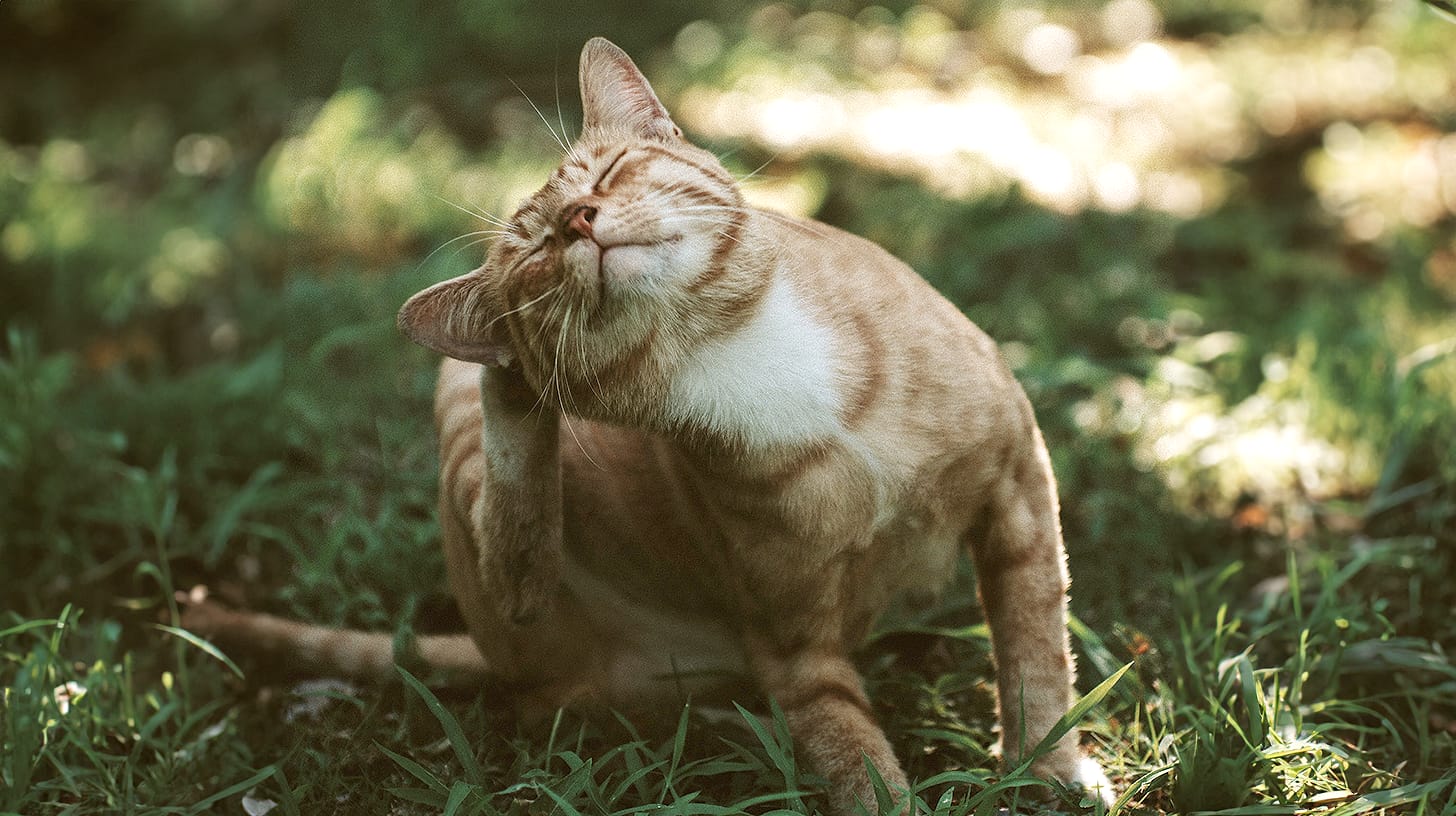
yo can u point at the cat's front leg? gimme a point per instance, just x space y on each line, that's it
518 517
833 726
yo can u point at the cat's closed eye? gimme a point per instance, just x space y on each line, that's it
605 179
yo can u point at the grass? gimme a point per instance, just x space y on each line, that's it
200 382
1267 672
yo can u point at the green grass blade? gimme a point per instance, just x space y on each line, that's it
780 757
1393 797
207 648
1144 782
232 513
415 769
566 807
287 798
453 731
679 741
459 792
233 790
1073 716
27 626
1257 724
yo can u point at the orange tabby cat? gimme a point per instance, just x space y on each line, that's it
683 440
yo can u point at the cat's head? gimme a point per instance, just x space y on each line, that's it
628 243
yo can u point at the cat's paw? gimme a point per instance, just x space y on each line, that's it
1068 765
1090 776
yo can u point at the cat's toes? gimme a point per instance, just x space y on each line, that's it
1089 775
1068 765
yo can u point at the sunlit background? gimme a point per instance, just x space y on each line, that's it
156 153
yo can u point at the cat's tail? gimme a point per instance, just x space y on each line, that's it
302 647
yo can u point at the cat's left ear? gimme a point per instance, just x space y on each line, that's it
615 94
455 318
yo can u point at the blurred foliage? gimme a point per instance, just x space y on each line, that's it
1217 242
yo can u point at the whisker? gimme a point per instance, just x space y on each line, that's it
734 238
804 224
536 343
524 306
565 332
756 170
588 373
560 140
477 233
483 216
556 84
556 360
730 153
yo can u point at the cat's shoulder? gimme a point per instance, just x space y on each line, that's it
796 228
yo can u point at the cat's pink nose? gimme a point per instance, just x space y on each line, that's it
580 222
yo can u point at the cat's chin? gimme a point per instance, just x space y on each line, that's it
633 264
636 268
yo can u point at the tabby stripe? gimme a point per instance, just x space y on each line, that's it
710 212
715 268
697 194
509 253
453 437
455 396
808 459
991 559
711 172
455 456
457 461
737 308
872 372
473 488
532 207
626 363
776 479
822 690
724 242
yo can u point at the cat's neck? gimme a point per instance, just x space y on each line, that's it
769 382
761 375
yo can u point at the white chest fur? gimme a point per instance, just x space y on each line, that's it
770 382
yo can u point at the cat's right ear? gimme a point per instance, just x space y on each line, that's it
454 318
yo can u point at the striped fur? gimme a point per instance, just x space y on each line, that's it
684 442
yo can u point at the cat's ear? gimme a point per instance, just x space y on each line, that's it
615 94
454 318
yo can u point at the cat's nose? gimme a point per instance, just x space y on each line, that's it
580 223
